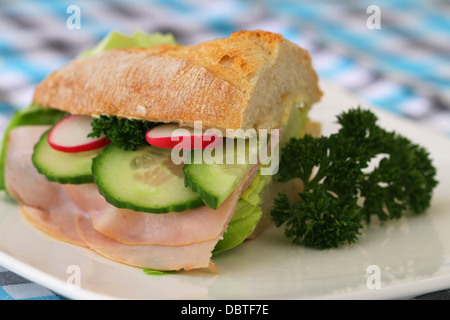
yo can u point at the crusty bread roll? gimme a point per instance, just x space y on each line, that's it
237 82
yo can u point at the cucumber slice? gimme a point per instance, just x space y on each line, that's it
144 180
62 167
214 182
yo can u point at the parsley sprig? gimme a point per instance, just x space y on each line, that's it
344 187
127 134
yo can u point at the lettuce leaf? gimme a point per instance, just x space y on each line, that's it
246 217
153 272
295 124
115 40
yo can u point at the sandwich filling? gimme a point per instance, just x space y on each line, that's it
79 214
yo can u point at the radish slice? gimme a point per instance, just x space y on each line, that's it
172 136
71 135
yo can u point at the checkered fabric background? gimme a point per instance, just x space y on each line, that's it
15 287
403 67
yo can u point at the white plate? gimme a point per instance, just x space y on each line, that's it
413 254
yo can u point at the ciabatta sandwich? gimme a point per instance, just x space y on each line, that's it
90 162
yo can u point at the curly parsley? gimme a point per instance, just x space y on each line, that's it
342 185
125 133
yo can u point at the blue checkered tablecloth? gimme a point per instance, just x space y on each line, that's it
403 66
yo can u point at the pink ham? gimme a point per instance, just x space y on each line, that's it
171 229
157 257
130 227
41 201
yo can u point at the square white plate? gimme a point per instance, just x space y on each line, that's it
413 254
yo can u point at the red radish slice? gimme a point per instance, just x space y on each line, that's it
172 136
71 135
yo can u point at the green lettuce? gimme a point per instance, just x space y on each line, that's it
153 272
246 217
295 124
115 40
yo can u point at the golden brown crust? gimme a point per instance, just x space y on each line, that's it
236 82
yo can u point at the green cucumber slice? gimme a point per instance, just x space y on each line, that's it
62 167
214 182
144 180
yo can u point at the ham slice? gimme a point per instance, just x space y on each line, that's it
80 215
41 201
157 257
170 229
175 254
140 228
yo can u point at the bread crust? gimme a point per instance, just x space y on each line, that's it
231 83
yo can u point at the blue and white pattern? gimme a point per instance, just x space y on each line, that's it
403 67
15 287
